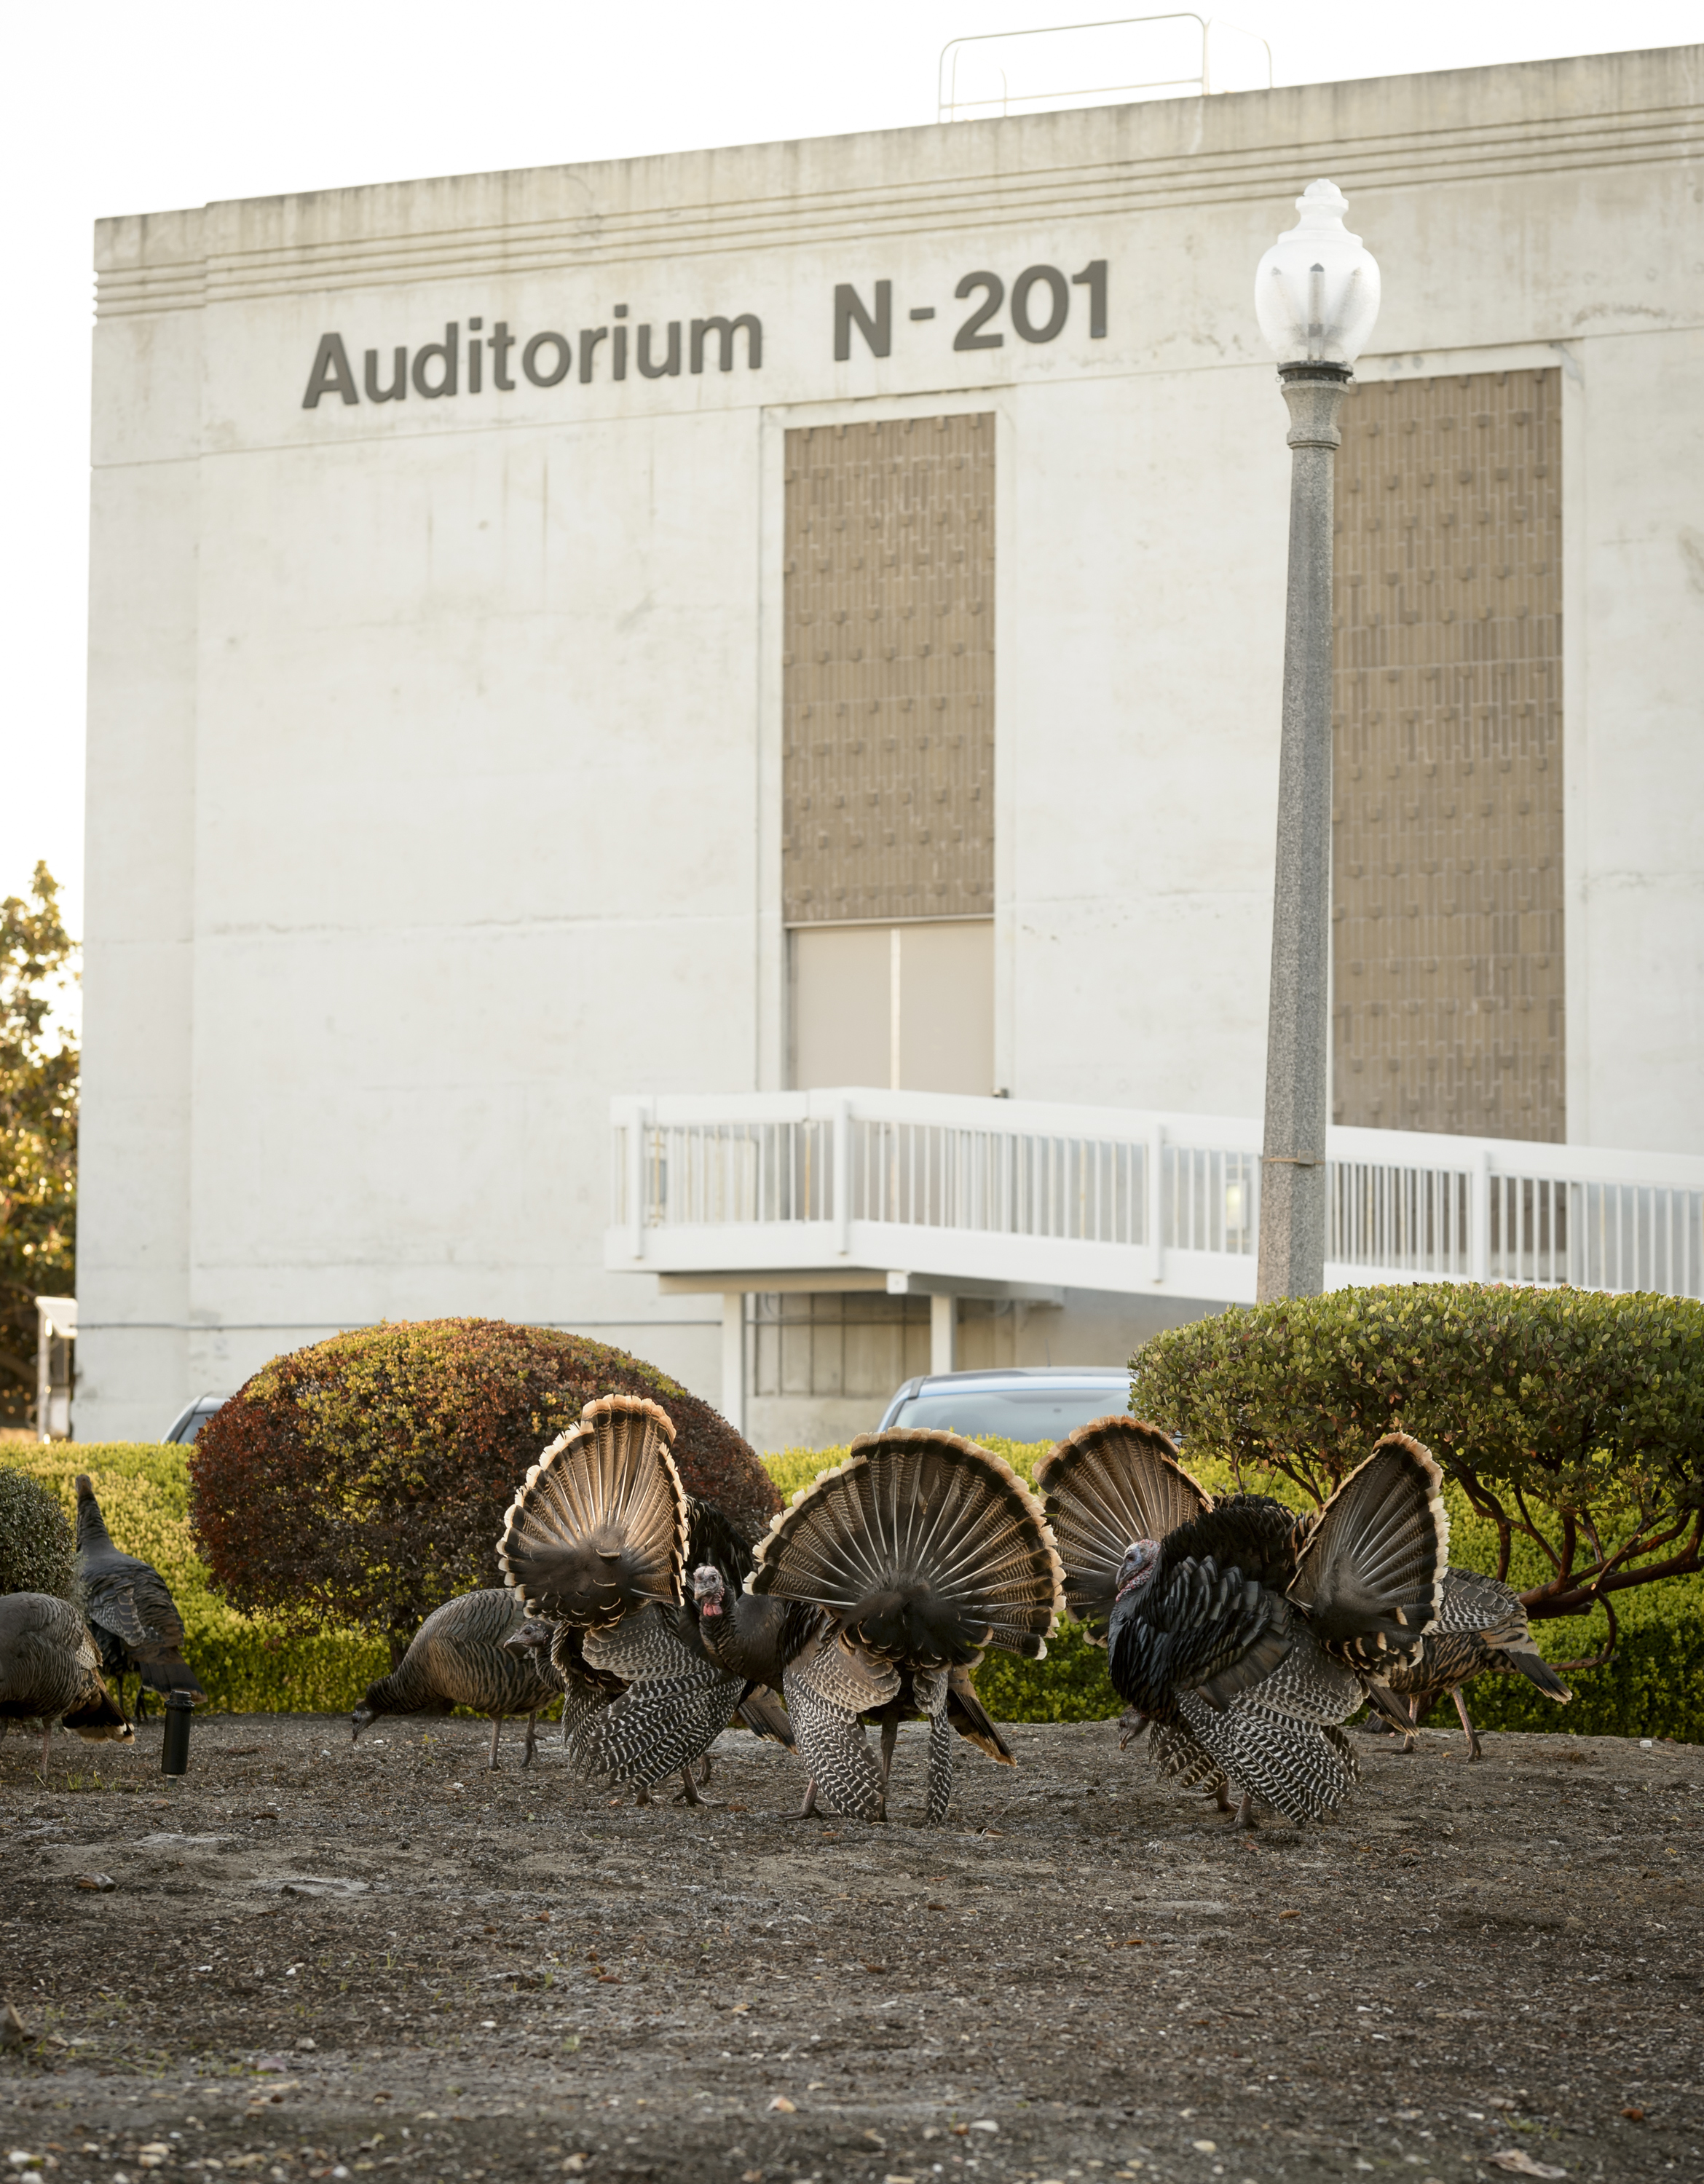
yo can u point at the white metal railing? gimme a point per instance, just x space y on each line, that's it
1062 65
1026 1190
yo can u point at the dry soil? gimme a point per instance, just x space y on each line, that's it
311 1959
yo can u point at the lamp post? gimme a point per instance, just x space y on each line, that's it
1317 298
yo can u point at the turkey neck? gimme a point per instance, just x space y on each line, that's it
92 1526
753 1637
406 1690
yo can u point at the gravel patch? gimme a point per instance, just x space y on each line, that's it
324 1960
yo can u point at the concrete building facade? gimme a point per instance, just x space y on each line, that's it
811 615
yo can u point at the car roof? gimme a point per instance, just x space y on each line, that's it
1018 1376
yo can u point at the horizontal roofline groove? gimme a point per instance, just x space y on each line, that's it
1405 160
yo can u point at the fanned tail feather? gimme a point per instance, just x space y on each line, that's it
1112 1482
925 1547
1370 1572
600 1524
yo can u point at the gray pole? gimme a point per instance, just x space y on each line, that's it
1292 1173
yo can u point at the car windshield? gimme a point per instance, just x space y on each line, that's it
1026 1414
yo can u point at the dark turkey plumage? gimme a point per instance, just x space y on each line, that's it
459 1657
133 1615
1481 1630
1246 1633
913 1557
50 1670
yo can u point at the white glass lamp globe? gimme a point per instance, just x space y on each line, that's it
1316 292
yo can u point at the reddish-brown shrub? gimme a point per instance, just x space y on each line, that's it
363 1480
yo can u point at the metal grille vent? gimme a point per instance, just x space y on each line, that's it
888 671
1447 879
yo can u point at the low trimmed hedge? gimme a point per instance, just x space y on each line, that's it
1653 1685
246 1665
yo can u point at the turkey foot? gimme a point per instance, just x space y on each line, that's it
1472 1734
809 1809
689 1791
1221 1802
1245 1811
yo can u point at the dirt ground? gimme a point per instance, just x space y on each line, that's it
319 1960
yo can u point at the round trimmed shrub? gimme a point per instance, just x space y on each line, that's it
37 1551
1572 1422
362 1481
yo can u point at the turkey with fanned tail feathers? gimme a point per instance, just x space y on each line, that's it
596 1543
1249 1635
879 1591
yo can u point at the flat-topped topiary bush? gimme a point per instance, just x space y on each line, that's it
362 1481
1571 1423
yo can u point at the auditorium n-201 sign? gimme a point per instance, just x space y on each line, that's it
469 359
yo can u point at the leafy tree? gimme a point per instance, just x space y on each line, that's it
38 1133
1572 1421
363 1481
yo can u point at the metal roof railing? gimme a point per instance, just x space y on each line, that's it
987 89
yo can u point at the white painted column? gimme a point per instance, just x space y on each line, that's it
943 1333
734 1358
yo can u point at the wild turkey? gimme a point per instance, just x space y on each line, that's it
1482 1629
1247 1635
913 1557
134 1617
50 1670
458 1657
756 1638
595 1543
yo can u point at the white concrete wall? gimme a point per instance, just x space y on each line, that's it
433 780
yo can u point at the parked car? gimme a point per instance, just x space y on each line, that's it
1013 1402
192 1417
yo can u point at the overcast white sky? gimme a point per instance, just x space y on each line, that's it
112 106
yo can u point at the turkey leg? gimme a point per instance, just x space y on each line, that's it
809 1806
1245 1811
1472 1734
496 1731
689 1790
531 1753
889 1737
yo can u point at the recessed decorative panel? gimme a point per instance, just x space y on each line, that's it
888 671
1447 794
